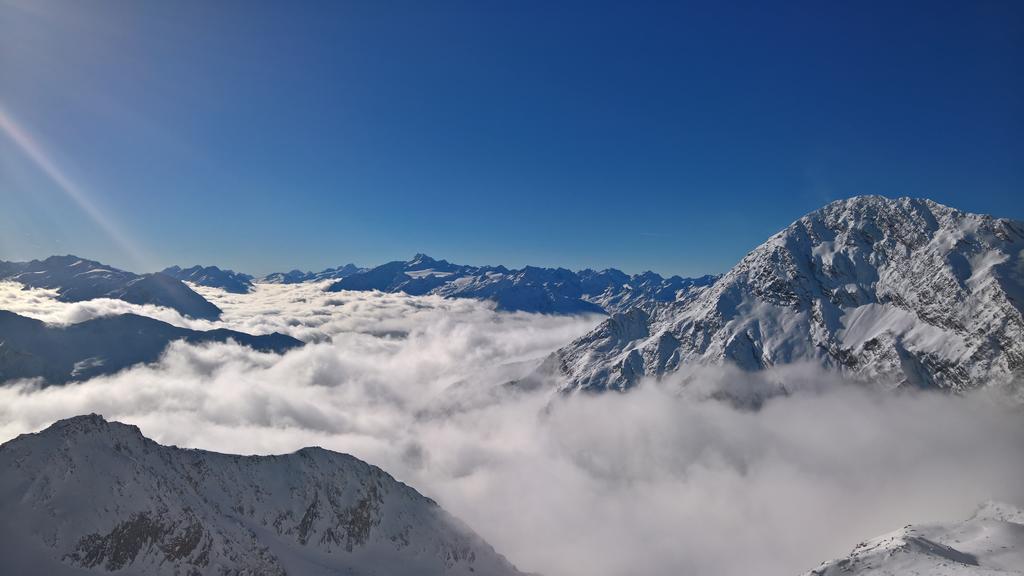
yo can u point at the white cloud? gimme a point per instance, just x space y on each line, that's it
656 481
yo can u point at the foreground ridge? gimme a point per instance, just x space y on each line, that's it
989 543
90 494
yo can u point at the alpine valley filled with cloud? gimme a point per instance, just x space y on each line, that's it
856 373
511 288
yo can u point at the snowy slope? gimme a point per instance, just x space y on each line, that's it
990 543
907 291
212 276
530 289
90 496
77 279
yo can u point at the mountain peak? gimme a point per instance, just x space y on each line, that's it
90 429
89 423
856 210
878 200
905 291
421 258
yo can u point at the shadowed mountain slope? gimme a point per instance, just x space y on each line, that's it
30 348
87 496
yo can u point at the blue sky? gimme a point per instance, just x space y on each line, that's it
666 136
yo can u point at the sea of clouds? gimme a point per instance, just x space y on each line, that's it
665 479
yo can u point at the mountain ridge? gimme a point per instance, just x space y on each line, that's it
78 279
97 496
30 348
212 276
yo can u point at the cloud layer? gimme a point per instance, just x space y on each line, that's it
656 481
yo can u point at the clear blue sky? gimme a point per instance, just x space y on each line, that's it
667 136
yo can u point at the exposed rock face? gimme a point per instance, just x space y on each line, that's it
30 348
96 495
907 291
530 289
989 544
77 279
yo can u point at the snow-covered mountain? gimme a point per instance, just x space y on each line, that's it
991 543
212 276
30 348
901 290
298 276
77 279
530 289
89 496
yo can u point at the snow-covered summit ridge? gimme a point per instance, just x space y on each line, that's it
88 494
988 544
902 290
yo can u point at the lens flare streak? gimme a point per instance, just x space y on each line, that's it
31 148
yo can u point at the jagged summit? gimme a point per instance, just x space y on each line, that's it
92 496
902 290
421 259
91 427
86 422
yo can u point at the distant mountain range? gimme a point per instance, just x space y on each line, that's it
990 543
77 279
227 280
530 289
298 276
906 291
30 348
59 354
87 496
